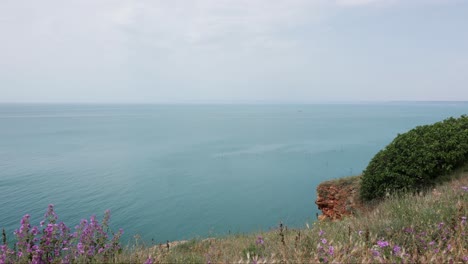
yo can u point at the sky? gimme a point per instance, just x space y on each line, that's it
228 51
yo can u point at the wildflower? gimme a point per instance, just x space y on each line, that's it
80 248
396 250
149 261
409 230
375 253
465 188
25 219
440 225
259 241
449 247
35 231
360 232
463 220
324 241
331 250
321 232
465 258
432 243
382 243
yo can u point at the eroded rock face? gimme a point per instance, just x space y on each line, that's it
338 198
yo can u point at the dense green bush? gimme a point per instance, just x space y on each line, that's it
417 159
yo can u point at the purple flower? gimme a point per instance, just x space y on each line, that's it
463 220
375 253
360 232
465 258
396 249
331 250
324 241
259 241
449 247
149 261
465 188
409 230
440 225
321 232
35 231
382 243
25 219
80 248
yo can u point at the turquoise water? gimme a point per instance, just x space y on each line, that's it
170 172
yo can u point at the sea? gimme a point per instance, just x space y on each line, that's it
175 172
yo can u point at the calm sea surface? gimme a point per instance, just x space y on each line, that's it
171 172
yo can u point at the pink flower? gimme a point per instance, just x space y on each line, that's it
382 243
259 241
331 250
396 249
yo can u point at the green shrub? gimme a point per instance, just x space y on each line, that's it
417 159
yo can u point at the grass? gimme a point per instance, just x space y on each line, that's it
423 227
411 228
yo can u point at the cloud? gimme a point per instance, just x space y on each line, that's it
191 49
207 22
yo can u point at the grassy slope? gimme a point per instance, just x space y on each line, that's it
427 228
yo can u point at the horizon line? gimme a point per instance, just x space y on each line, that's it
254 102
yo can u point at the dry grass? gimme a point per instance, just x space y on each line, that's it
410 228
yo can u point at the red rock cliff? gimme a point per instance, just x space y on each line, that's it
338 198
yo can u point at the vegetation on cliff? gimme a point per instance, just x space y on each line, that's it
417 159
408 228
401 229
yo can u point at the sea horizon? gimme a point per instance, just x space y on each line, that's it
174 172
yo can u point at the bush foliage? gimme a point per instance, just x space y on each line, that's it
417 159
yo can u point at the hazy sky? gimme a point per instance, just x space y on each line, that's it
233 50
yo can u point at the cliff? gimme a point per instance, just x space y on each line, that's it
338 198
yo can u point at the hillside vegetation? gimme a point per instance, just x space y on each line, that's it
407 228
430 228
417 159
